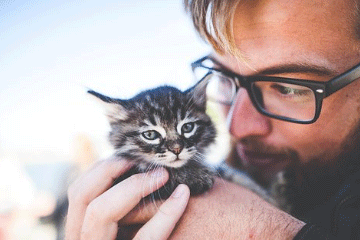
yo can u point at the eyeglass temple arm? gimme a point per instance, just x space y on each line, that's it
343 80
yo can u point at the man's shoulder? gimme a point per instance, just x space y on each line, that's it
351 185
343 210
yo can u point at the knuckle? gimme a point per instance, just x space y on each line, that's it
94 211
111 167
76 194
85 234
73 192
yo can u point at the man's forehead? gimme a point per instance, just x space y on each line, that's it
298 19
309 34
286 9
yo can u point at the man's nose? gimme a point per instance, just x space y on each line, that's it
244 120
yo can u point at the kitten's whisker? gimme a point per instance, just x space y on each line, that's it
152 196
199 157
165 187
190 102
143 183
152 179
215 169
153 200
143 201
150 167
147 170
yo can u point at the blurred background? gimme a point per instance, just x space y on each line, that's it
51 52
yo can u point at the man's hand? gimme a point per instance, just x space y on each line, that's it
95 207
227 211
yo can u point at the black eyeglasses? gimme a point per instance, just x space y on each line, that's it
287 99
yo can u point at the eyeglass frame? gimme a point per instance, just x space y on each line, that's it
321 90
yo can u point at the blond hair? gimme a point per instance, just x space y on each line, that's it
213 20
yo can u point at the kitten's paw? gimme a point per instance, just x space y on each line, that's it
201 184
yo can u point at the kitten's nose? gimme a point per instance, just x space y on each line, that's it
175 148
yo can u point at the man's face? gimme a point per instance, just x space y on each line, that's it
304 39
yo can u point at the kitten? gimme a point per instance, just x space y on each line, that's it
164 127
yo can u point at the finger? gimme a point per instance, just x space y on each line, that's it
97 179
142 213
105 211
87 187
128 232
164 221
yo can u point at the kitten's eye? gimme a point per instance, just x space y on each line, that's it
150 135
187 127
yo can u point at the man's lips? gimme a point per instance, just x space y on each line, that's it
264 161
261 160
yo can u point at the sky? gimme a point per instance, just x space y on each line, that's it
51 52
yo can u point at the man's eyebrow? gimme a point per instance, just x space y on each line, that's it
299 68
289 68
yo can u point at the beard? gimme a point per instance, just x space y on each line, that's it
302 187
312 184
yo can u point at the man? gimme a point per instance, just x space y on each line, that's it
278 122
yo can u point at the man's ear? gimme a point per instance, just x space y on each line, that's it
114 108
198 93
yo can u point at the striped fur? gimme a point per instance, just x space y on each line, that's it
164 127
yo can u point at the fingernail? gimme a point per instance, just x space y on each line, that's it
158 173
179 191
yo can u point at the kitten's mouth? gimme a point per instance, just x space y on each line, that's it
176 162
176 159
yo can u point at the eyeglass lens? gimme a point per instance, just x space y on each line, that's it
275 98
285 100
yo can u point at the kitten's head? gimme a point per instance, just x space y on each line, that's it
161 126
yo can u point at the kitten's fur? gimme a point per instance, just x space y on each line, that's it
164 127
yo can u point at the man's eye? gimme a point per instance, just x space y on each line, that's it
187 127
150 135
294 91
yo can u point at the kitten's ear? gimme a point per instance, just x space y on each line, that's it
115 111
198 93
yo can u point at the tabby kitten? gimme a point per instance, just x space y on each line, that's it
164 127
